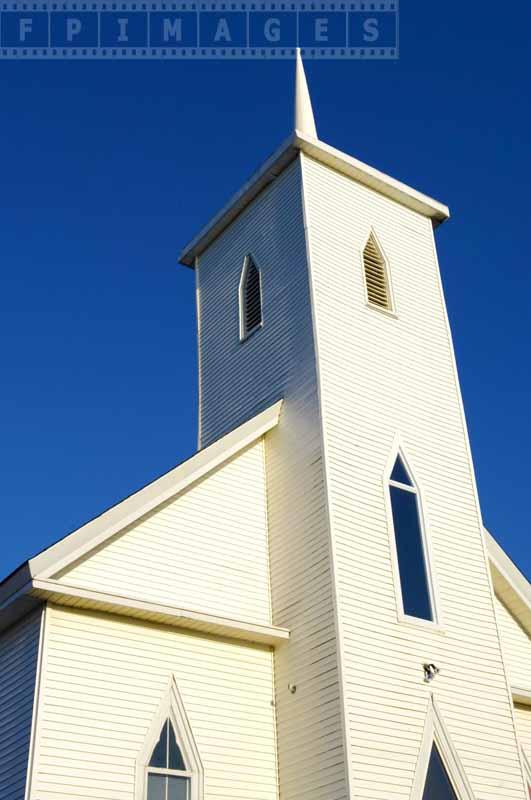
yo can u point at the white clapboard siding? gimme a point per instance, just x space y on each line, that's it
19 649
205 550
380 376
523 727
237 380
516 647
105 678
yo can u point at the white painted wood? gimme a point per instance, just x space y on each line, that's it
205 550
523 725
61 593
105 680
19 653
303 120
237 380
436 733
516 644
101 529
172 708
330 156
381 377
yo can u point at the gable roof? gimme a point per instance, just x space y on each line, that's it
34 580
325 154
511 585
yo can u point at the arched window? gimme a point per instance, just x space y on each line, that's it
439 774
377 283
169 766
167 775
438 785
250 298
411 547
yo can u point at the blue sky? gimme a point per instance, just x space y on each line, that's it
107 169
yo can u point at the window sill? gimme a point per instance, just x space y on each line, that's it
251 332
385 311
422 624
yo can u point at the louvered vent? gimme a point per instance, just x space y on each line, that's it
376 275
252 300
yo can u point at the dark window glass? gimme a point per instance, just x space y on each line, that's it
175 757
156 787
400 473
159 756
411 562
177 788
438 786
252 301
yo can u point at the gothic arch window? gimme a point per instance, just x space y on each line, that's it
439 774
168 777
250 298
414 579
376 274
169 766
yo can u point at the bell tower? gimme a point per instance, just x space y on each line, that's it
319 284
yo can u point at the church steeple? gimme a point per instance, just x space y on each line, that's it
304 120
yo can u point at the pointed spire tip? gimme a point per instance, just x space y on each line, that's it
304 118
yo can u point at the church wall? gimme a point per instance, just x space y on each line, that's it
516 645
19 652
205 550
523 726
105 677
381 376
238 380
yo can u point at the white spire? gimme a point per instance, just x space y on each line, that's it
304 120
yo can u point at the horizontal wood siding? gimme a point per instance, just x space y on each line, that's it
19 650
381 376
523 726
516 647
237 380
206 550
105 678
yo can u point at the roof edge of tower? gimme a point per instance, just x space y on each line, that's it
325 154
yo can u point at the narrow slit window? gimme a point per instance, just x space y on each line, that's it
410 545
250 298
167 775
376 277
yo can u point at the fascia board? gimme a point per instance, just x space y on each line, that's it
97 531
325 154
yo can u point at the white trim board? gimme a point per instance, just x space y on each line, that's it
48 563
511 586
435 733
325 154
78 597
171 707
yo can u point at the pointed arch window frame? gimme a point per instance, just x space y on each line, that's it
391 311
245 333
527 770
171 708
436 733
436 623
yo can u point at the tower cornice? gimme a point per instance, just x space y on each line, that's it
297 143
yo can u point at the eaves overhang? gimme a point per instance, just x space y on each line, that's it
35 580
510 585
325 154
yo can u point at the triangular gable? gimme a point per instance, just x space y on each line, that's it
34 579
430 762
206 549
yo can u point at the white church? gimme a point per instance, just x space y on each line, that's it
309 608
